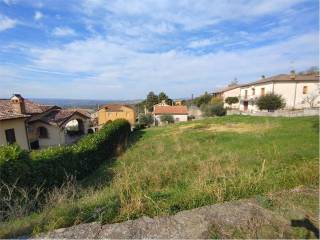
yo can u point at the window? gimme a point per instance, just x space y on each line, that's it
29 129
10 136
43 132
253 91
305 89
262 91
245 93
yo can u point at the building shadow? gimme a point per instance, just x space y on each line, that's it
307 224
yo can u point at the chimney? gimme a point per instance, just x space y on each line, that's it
292 75
18 105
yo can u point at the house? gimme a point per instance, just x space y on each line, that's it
179 113
111 112
57 127
299 91
43 125
13 123
229 91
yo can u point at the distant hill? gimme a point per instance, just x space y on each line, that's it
80 103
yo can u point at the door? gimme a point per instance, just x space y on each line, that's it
245 105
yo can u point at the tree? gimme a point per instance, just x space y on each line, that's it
231 100
169 101
163 96
312 97
234 82
145 119
203 99
271 102
216 100
151 100
167 118
210 110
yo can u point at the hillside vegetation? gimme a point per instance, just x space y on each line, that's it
184 166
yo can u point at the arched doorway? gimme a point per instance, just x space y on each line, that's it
74 130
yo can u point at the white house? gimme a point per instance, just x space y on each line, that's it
32 125
179 113
229 91
298 90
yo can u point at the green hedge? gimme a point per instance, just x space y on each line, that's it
51 166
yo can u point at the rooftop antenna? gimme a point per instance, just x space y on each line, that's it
292 65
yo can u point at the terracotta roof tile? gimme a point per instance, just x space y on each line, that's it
115 107
7 111
177 110
57 116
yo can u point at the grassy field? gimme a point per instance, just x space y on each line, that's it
184 166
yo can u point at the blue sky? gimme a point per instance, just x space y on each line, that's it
121 49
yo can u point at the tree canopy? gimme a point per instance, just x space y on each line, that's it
270 102
231 100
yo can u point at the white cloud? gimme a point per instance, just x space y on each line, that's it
63 32
205 42
188 13
38 15
9 2
6 23
113 66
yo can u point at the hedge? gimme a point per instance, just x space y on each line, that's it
51 166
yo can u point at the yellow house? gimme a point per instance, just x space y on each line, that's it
111 112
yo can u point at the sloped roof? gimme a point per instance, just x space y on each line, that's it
287 78
176 110
276 78
57 116
115 107
7 110
220 90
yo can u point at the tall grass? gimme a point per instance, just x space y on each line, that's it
184 166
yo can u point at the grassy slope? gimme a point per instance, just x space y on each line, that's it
190 165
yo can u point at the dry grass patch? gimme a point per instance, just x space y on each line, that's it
230 127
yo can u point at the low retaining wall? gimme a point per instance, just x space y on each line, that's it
279 113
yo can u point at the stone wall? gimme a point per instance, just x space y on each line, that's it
279 113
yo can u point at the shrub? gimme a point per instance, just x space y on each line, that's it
216 100
271 102
231 100
211 110
146 119
51 166
167 118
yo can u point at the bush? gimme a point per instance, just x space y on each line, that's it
231 100
51 166
211 110
216 100
167 118
145 119
271 102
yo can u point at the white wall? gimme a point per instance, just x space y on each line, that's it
177 118
19 129
292 92
231 93
55 135
268 88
